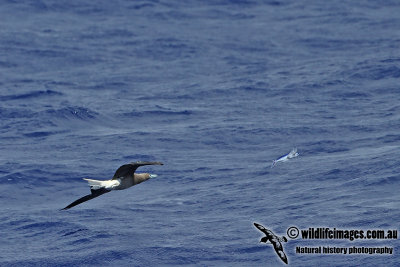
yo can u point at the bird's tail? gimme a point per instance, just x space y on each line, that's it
94 184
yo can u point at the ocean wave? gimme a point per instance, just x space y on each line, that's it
389 180
13 113
39 134
6 64
79 113
216 91
372 72
29 95
164 113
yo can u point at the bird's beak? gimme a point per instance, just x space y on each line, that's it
153 175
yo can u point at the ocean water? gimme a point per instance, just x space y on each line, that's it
215 90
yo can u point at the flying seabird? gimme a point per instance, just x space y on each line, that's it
275 241
292 154
123 178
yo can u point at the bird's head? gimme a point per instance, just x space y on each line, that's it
152 175
148 175
141 177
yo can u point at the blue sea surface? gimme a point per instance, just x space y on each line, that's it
215 90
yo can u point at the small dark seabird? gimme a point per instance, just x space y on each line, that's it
123 178
275 241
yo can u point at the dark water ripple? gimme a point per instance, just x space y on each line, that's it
30 95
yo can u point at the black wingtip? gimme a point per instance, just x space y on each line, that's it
70 206
95 193
257 225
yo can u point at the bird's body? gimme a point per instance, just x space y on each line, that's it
137 178
275 241
123 178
